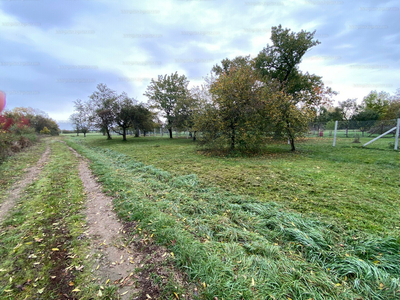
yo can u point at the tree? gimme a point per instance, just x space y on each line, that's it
164 95
142 118
393 111
45 130
365 119
124 110
330 126
235 116
378 102
76 121
301 92
83 117
37 119
348 108
102 104
202 98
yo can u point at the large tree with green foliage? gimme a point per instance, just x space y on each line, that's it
235 116
365 119
142 118
165 94
302 92
124 109
378 102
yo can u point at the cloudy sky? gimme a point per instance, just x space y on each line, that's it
54 52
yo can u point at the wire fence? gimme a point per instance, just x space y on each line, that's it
358 131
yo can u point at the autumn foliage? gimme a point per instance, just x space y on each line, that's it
18 129
265 97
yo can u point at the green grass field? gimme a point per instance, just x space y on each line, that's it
321 223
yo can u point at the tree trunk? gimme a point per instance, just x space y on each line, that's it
347 129
291 137
137 132
292 144
194 136
170 133
108 134
84 134
233 139
123 134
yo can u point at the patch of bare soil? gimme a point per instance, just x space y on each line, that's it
15 192
128 265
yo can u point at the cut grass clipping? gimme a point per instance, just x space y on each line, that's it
235 247
41 256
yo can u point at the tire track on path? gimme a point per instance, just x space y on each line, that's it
31 175
118 260
116 263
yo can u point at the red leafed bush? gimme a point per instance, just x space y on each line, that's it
6 123
15 134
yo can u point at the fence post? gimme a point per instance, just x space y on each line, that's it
396 143
334 135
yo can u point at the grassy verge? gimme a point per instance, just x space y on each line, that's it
14 166
247 247
42 255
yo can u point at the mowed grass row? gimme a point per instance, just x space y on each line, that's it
41 254
357 188
238 247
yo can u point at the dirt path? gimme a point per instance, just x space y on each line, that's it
116 262
15 192
125 264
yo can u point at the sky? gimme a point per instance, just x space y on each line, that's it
55 52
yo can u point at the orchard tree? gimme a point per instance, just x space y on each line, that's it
393 111
102 104
348 109
302 92
165 94
76 121
124 109
142 118
235 117
83 117
202 99
378 102
365 119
